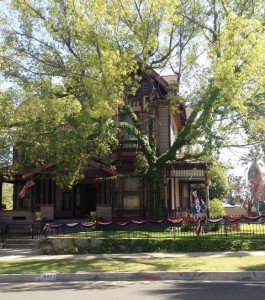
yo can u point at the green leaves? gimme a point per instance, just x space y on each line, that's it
73 63
239 70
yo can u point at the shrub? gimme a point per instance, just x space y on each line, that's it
212 227
200 244
72 249
187 228
45 242
216 208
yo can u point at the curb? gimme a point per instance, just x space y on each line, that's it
136 276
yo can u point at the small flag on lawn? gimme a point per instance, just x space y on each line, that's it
27 186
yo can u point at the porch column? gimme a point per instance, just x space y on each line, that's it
173 192
166 196
166 200
207 197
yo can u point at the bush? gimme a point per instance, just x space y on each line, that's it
212 227
187 228
45 242
72 249
216 208
200 244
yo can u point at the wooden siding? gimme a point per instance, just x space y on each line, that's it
104 211
15 215
163 129
174 128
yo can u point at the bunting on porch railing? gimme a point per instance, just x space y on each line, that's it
28 185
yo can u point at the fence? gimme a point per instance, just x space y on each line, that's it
221 228
249 228
22 230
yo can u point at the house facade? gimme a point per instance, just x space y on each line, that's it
123 198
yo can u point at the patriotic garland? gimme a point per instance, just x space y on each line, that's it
200 221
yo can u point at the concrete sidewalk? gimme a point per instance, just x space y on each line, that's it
7 255
21 254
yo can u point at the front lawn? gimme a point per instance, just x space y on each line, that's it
187 263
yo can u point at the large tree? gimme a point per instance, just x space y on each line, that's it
71 64
225 39
254 160
249 193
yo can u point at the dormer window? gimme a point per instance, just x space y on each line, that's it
128 140
144 86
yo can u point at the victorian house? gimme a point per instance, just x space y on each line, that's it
124 198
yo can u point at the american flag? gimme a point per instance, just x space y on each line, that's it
200 227
28 185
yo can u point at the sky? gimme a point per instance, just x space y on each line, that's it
232 156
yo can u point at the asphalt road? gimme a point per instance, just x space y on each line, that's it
134 290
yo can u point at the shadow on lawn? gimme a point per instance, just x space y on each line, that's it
257 267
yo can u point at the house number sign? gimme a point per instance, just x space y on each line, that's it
46 277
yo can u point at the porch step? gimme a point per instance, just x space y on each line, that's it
21 247
22 243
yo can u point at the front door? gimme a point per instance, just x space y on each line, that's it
90 199
85 200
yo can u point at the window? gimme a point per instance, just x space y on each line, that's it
128 140
66 201
131 195
116 196
144 86
131 201
77 196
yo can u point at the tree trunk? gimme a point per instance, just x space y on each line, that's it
154 202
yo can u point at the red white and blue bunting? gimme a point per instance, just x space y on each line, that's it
200 222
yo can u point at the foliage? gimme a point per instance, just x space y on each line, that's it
254 156
60 107
141 164
249 193
219 183
262 206
212 227
72 65
255 178
7 196
187 228
94 218
72 249
216 208
165 246
45 242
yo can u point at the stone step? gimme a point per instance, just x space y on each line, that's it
21 244
19 252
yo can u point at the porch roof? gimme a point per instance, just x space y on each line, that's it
93 169
189 170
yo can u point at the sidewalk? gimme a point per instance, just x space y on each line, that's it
11 255
15 254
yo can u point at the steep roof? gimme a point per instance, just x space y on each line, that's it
170 79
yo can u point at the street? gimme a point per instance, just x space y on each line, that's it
132 290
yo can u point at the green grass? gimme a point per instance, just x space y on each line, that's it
164 235
168 232
189 263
